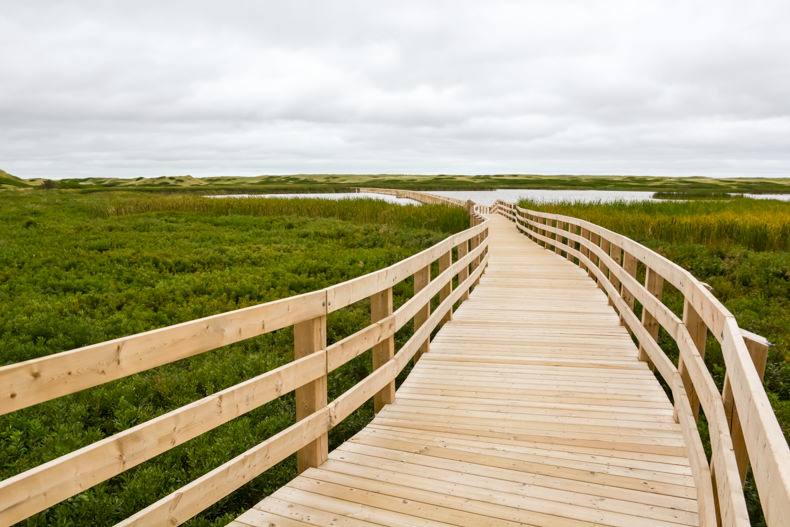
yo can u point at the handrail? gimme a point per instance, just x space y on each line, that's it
743 428
38 380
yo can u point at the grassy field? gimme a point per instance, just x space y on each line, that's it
347 182
79 268
739 247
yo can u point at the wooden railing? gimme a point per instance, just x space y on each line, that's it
742 427
35 381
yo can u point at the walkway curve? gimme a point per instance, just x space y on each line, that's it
531 408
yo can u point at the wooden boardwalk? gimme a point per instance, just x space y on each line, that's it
531 408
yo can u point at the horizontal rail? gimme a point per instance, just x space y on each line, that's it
39 380
742 426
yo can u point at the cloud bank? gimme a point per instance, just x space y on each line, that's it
246 88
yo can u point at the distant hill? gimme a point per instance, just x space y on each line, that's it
7 180
348 182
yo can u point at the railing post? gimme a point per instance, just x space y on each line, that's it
380 308
546 233
309 337
615 253
445 261
629 264
569 243
594 239
421 279
699 334
463 274
475 242
758 350
557 238
605 247
586 235
654 283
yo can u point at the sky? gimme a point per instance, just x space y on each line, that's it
245 88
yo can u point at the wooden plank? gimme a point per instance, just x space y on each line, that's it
310 338
258 518
383 352
376 509
458 510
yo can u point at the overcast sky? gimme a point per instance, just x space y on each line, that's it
137 88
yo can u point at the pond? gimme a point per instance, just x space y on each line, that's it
488 197
326 195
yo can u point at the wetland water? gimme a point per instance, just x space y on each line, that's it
488 197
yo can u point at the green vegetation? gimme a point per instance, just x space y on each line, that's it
348 182
739 247
693 194
9 181
79 268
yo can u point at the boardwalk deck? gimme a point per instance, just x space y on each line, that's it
531 408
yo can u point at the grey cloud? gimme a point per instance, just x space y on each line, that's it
244 88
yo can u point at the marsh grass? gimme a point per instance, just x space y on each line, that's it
77 269
760 225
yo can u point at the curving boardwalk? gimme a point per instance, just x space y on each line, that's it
531 408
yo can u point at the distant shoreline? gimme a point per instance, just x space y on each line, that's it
349 182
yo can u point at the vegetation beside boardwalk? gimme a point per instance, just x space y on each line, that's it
348 182
740 248
77 269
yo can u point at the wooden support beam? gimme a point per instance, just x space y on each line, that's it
558 238
463 274
421 279
586 252
380 308
699 334
445 261
629 264
602 266
616 254
595 239
654 283
310 337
